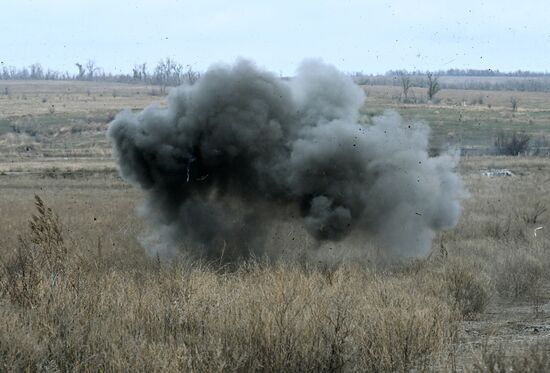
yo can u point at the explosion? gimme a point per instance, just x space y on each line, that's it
242 150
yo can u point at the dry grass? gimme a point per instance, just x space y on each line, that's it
497 100
35 98
78 292
92 300
468 286
529 359
64 311
520 275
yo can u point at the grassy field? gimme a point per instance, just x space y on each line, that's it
467 118
78 292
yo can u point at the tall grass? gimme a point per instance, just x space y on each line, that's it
82 295
60 313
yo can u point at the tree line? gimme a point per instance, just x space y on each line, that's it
473 72
463 79
167 72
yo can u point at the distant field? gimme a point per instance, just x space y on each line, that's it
59 119
460 119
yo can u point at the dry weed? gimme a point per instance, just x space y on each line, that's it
468 286
519 276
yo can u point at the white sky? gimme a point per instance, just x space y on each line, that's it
368 36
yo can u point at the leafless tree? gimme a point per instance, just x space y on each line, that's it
143 68
433 86
136 73
36 71
54 75
91 68
176 74
168 73
406 84
191 76
162 73
81 71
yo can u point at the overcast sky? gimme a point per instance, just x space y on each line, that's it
368 36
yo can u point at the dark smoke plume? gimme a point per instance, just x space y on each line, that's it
241 151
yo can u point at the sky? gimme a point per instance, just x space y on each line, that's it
355 36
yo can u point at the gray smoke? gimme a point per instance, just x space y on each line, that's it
241 151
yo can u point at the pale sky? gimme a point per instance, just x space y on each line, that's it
367 36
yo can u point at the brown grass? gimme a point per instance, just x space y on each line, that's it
91 300
69 312
529 359
497 100
28 98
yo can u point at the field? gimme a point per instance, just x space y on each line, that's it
467 118
78 292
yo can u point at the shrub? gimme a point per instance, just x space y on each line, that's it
519 276
533 214
403 329
514 101
514 144
39 258
467 287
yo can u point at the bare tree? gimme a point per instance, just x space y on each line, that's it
5 73
139 72
36 71
92 69
143 68
81 71
406 84
191 76
136 73
54 75
433 86
176 74
13 73
162 73
168 72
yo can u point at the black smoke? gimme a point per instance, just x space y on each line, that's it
242 149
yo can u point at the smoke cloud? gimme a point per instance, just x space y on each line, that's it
242 151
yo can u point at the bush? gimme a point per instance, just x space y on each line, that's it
514 101
519 276
514 144
403 329
467 287
39 260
